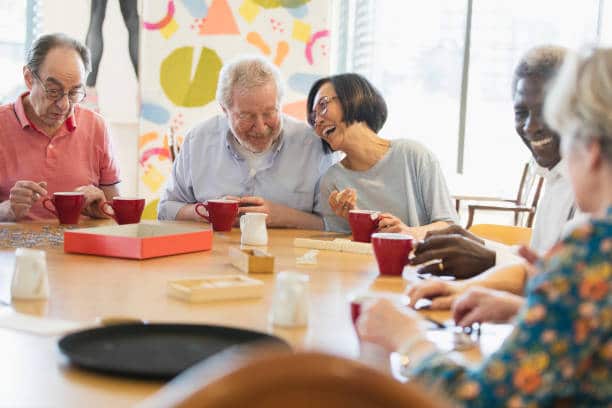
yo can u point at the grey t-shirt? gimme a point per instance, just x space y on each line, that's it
407 182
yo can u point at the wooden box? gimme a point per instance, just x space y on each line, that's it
218 287
251 260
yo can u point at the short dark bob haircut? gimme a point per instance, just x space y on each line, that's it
359 99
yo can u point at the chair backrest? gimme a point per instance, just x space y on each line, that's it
298 380
506 234
529 192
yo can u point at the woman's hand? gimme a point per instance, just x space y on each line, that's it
532 258
485 305
385 324
390 223
341 202
441 293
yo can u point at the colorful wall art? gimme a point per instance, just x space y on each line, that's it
184 44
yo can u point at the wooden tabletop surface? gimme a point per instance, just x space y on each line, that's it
84 288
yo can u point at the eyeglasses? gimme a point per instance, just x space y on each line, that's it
320 108
248 119
74 95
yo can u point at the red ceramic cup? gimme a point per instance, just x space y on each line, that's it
125 210
66 206
356 304
391 251
221 213
363 224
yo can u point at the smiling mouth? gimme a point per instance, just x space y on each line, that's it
328 131
542 142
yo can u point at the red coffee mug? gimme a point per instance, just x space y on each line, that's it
356 305
66 206
125 210
363 224
391 251
221 213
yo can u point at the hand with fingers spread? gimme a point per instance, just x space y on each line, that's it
21 198
485 305
341 202
460 257
441 293
93 198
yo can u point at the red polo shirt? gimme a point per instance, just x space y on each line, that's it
79 154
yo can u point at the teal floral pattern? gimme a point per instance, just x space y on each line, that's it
561 347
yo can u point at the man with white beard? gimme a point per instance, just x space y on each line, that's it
253 153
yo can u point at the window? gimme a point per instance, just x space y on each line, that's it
18 27
456 99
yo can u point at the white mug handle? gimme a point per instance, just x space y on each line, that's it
242 222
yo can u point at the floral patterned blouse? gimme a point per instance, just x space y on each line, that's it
561 347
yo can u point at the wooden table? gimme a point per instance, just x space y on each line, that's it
84 288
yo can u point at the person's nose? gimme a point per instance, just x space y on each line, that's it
63 102
533 125
260 124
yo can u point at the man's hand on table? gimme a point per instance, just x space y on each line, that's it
93 198
21 198
461 257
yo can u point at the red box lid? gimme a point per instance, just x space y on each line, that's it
139 241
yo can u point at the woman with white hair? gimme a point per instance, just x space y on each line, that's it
561 347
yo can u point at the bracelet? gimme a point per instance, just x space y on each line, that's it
407 347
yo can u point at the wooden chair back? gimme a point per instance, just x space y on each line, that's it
301 380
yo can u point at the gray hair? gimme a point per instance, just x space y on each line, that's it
540 62
42 45
245 73
579 104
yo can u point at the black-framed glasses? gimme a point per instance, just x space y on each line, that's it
320 108
74 95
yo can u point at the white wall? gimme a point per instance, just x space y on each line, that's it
117 84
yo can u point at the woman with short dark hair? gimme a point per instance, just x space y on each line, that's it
400 178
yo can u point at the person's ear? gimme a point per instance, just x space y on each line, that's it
593 154
28 78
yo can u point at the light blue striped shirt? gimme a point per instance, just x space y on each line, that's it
209 167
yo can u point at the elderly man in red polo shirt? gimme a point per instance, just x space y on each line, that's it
47 142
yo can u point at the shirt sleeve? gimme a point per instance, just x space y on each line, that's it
109 169
434 191
504 254
179 187
550 350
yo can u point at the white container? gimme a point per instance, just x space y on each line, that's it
30 280
253 228
290 302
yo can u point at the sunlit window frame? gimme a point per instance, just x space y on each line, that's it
346 15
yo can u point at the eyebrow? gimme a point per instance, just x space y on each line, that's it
57 82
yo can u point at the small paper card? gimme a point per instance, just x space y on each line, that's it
41 326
